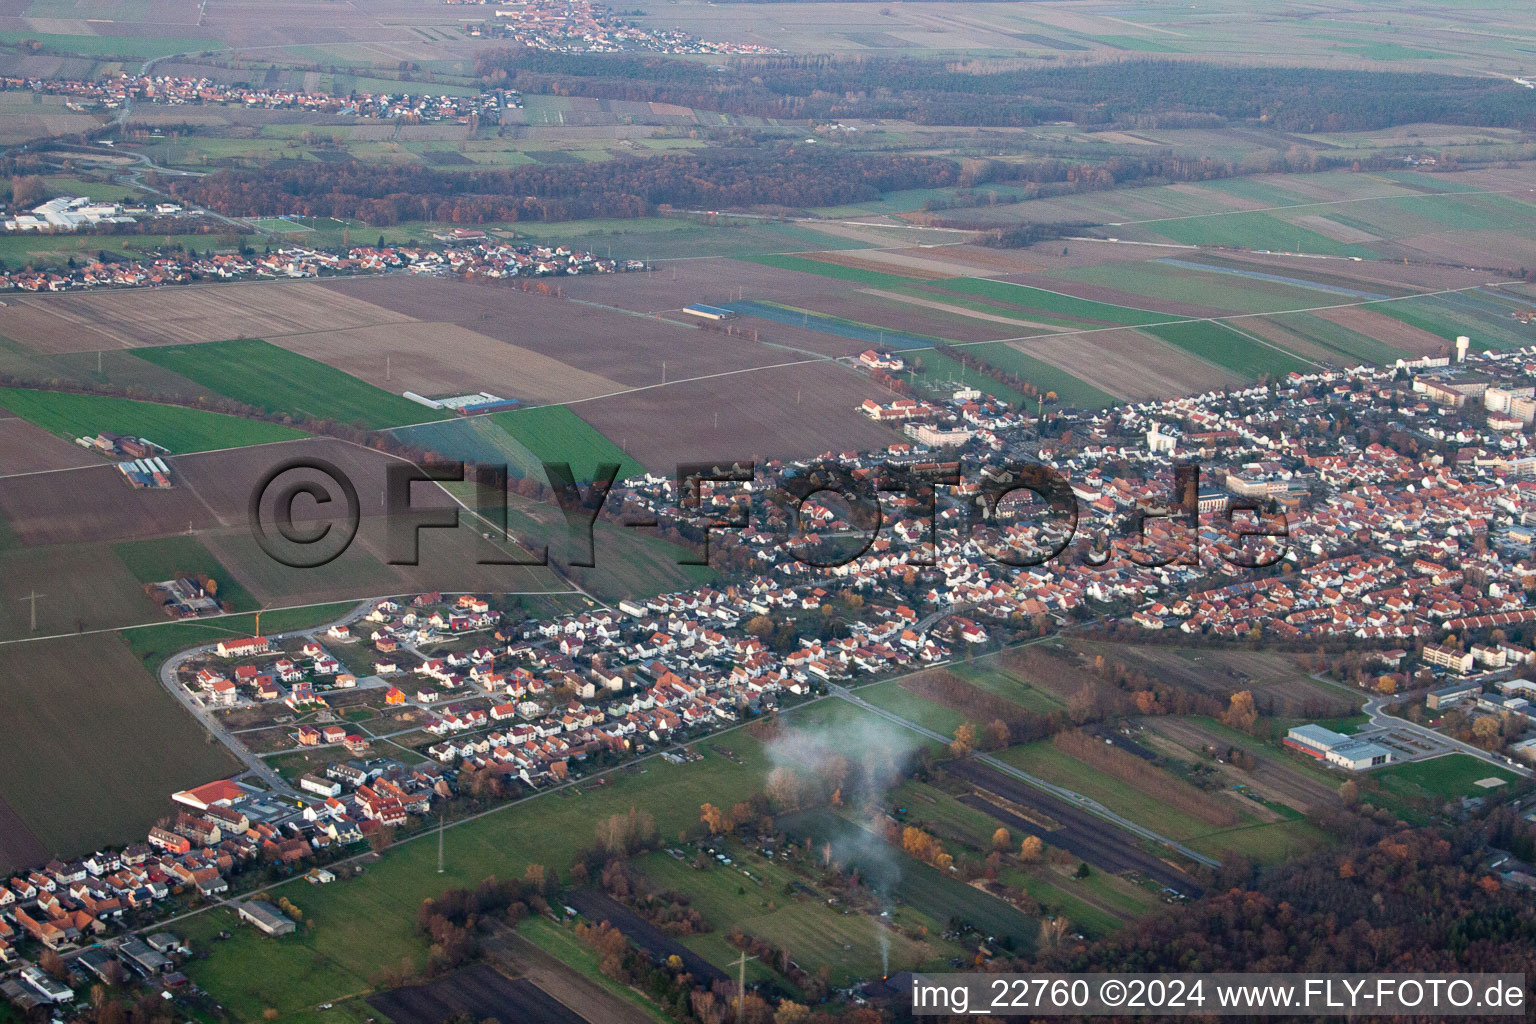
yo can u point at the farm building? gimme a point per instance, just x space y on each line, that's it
267 918
698 309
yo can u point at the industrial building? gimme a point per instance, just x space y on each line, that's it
1336 748
68 213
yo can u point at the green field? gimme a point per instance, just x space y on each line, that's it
553 433
151 561
56 250
1251 230
1044 760
179 429
282 382
1217 343
833 270
111 46
891 696
63 185
936 374
1070 390
988 676
1477 314
1047 301
154 644
1175 282
1352 345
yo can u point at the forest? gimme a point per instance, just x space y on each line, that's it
1402 901
781 176
1130 93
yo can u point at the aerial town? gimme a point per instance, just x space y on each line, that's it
469 254
517 706
765 513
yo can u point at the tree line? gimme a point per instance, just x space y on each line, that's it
1135 93
783 176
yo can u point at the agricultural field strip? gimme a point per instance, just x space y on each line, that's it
876 248
1025 337
314 604
98 465
1328 202
1234 316
1018 338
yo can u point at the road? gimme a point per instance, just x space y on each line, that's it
1075 799
255 766
1380 719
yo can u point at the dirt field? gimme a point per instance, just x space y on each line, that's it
586 998
442 359
607 342
782 412
79 587
1386 329
25 448
1007 326
19 845
599 906
1129 364
108 782
478 991
129 318
95 503
81 510
448 559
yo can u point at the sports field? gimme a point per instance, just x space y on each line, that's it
1447 778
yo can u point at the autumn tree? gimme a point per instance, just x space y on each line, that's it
1031 849
713 819
791 1012
783 788
1241 713
1001 840
964 741
54 964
